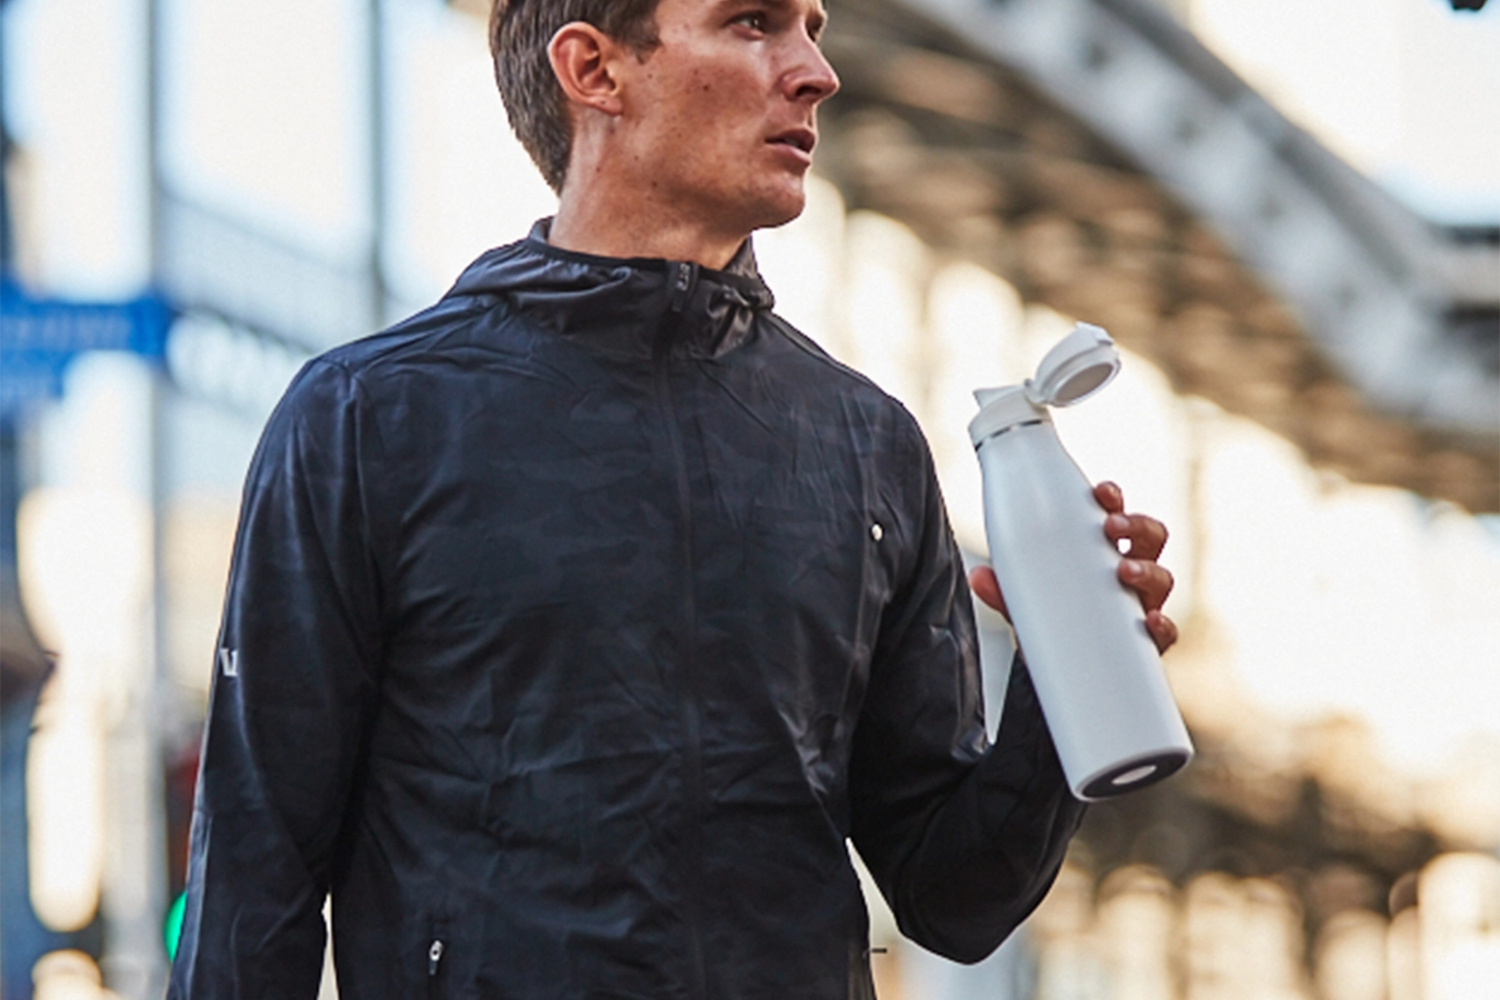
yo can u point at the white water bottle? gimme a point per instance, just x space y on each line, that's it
1095 667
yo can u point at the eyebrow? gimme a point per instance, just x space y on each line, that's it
818 21
821 21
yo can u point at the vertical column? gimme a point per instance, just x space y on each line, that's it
23 670
24 666
376 159
93 770
133 902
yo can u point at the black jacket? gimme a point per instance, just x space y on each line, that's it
573 626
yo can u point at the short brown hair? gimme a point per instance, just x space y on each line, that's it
520 31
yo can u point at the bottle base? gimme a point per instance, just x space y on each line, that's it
1133 774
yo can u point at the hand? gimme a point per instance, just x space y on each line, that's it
1139 569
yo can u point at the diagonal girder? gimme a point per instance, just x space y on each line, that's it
1099 157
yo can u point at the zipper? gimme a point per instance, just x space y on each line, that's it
434 966
684 277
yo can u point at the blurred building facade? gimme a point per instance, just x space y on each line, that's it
1311 402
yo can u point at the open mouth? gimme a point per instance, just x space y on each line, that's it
802 139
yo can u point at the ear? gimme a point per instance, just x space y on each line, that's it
583 58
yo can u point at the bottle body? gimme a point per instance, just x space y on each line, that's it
1083 633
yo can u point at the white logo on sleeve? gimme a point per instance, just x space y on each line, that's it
229 661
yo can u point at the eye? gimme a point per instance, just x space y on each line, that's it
755 20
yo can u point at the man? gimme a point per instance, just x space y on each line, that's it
577 623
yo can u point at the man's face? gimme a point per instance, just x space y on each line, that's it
720 118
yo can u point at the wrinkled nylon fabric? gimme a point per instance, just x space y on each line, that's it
577 624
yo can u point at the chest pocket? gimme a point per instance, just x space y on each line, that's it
822 570
820 583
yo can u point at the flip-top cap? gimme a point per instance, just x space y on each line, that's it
1001 409
1079 365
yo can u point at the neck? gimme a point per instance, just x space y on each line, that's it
594 218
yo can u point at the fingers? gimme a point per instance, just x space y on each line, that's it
987 588
1110 497
1163 630
1139 570
1147 536
1150 580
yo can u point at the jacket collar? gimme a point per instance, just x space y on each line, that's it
629 307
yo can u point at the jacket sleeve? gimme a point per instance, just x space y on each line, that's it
964 838
289 709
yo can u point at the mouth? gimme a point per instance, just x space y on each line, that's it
801 139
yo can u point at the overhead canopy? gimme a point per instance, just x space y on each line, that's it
1100 158
1097 156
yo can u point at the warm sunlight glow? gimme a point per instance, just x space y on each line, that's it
65 810
1407 90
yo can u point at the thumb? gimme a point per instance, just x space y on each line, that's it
986 587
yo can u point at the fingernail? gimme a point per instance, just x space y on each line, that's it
1117 522
1130 567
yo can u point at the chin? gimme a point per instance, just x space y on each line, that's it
781 208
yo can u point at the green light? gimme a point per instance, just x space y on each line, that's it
172 928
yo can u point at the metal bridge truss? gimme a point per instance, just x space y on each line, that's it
1095 154
1098 157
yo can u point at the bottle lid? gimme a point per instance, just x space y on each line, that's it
1001 409
1079 365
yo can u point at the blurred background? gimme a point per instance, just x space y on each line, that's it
1287 212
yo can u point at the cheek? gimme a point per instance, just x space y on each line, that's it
727 100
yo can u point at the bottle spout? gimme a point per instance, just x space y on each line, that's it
984 397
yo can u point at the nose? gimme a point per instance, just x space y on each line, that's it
812 78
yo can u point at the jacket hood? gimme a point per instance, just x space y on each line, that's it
630 307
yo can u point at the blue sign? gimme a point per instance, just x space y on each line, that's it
39 337
21 386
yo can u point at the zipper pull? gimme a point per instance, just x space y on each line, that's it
684 277
434 956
